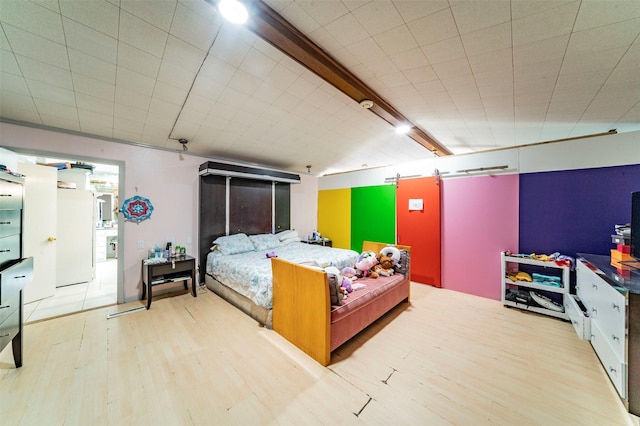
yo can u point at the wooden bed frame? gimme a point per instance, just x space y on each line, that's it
302 306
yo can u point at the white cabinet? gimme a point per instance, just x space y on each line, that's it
546 293
607 306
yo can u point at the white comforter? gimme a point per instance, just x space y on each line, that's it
249 273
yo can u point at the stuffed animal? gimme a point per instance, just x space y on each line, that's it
384 266
365 264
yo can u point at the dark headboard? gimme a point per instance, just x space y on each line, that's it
249 209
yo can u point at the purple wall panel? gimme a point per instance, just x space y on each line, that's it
575 211
479 220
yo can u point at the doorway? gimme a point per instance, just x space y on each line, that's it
91 247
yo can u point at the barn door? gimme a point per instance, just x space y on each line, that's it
418 226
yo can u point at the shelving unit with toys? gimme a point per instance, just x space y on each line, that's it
520 289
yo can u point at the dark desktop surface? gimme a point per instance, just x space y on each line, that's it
624 279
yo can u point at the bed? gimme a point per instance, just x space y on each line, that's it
238 268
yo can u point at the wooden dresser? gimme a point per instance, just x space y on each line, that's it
15 271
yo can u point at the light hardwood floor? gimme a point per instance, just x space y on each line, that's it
447 358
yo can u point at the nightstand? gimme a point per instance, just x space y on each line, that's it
179 268
321 242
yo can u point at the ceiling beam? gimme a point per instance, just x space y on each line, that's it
275 30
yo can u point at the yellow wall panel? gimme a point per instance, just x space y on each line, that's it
334 216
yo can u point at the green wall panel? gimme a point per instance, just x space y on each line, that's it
373 216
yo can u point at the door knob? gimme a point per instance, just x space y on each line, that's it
51 239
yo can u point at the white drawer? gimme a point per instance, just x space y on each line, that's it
579 318
616 369
610 315
586 286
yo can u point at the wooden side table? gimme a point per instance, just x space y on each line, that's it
179 268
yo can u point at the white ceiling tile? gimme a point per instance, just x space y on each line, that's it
605 37
396 40
134 82
489 39
183 54
592 61
32 46
539 51
452 68
12 100
377 17
93 87
217 70
345 30
87 117
140 34
444 51
185 129
257 64
91 66
9 111
33 18
244 82
132 113
8 63
463 84
420 75
132 99
56 109
97 14
160 15
96 129
204 87
293 12
197 104
496 61
321 11
472 16
46 92
169 93
52 5
432 28
502 77
175 76
281 78
407 60
598 13
127 129
137 60
165 111
59 122
428 88
413 10
45 73
544 25
233 98
91 103
4 43
624 75
228 49
538 71
193 28
90 41
394 80
521 9
13 83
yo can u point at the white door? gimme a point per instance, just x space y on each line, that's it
39 233
76 235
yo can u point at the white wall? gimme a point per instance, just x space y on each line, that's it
168 179
601 151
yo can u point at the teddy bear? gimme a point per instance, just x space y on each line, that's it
385 265
365 265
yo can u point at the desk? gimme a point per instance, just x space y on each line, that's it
180 268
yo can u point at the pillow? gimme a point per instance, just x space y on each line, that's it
284 235
264 241
291 240
234 244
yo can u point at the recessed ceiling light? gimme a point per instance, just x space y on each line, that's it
402 129
233 11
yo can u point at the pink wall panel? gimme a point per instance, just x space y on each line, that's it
479 220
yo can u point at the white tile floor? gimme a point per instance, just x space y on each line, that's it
102 291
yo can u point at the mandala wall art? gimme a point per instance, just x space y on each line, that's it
137 209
